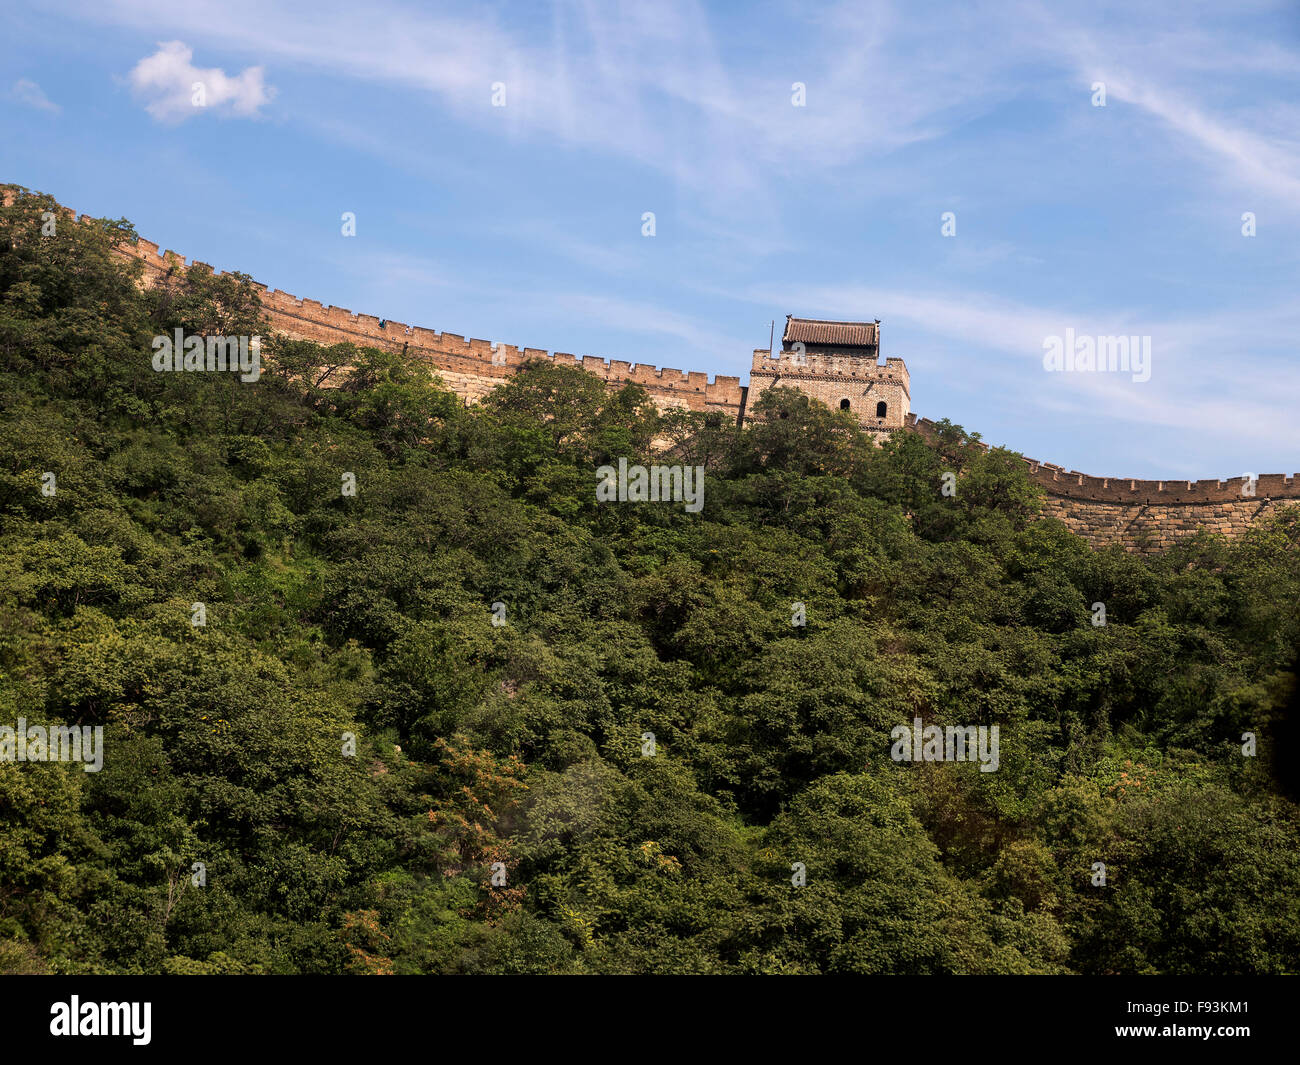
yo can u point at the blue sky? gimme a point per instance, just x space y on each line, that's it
523 224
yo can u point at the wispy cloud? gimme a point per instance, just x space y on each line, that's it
1121 220
174 89
1257 162
559 239
386 269
31 94
1203 380
1191 82
659 88
651 86
696 342
663 87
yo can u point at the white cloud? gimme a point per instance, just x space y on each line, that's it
175 89
691 337
1183 73
1205 369
31 94
558 239
1255 160
701 95
388 271
659 88
666 88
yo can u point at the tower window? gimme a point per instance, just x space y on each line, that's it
844 404
880 409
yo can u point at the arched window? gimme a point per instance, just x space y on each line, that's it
844 404
880 409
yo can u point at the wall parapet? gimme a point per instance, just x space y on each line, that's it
473 366
1072 484
483 362
850 367
311 320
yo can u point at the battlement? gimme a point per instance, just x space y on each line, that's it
9 195
798 364
848 376
1071 484
455 356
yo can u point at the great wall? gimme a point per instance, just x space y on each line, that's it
1142 515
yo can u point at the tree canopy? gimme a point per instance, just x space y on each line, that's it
469 719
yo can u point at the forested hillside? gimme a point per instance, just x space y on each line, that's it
500 643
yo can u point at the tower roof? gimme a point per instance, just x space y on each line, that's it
821 331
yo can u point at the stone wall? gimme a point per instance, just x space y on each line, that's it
470 367
1149 516
1140 515
833 379
1150 527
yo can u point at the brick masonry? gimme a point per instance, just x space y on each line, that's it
862 383
1141 515
1149 516
471 368
1153 527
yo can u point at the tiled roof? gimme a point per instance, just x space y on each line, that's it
819 331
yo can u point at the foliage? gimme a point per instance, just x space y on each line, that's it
518 749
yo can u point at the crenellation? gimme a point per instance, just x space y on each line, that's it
725 393
1274 484
1148 516
838 365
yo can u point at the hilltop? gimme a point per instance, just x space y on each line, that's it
385 687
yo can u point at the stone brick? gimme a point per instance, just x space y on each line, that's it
1141 515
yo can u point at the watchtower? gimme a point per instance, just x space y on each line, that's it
838 364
